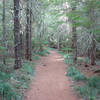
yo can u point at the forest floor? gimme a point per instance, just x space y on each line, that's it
50 81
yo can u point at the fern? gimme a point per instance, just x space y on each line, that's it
75 74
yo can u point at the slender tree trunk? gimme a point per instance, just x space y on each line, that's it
58 41
41 48
28 32
74 45
74 35
17 35
22 44
21 41
92 53
4 31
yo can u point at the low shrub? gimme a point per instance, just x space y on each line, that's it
94 82
7 91
86 92
13 82
75 74
44 52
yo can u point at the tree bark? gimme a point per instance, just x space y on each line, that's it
92 53
4 31
74 36
29 32
17 35
22 44
58 41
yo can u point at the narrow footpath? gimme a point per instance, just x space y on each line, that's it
50 82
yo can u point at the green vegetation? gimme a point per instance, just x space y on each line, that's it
30 28
44 53
87 93
89 89
12 83
76 75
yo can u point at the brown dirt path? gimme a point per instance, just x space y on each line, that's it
50 82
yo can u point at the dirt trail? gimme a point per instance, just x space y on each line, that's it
50 82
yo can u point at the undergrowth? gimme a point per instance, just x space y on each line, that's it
67 57
41 53
90 89
44 52
14 82
75 74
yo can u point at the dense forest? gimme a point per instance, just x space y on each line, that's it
30 29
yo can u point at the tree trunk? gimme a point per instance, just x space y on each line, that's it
17 35
28 32
92 53
22 44
4 31
21 41
74 35
58 41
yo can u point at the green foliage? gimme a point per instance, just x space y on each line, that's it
87 92
2 48
35 57
91 89
4 76
38 46
27 67
68 58
57 2
60 52
50 48
44 52
7 91
94 82
12 82
75 74
84 60
46 22
53 43
67 49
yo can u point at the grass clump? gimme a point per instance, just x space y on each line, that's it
7 91
94 82
13 82
44 52
91 89
68 59
75 74
36 57
28 68
24 75
86 92
83 60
